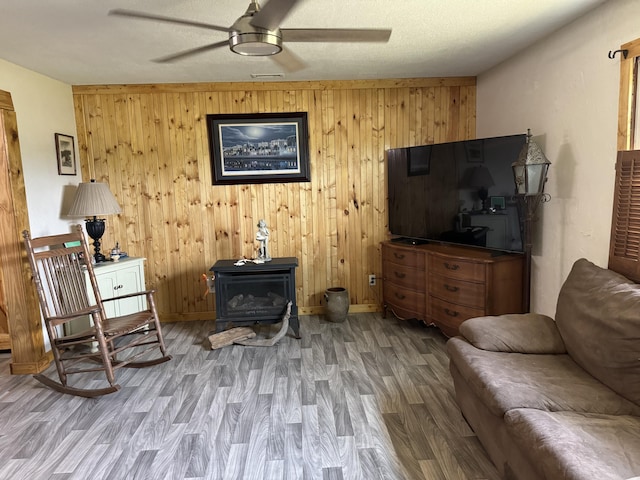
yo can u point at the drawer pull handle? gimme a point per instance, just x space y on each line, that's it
450 288
451 313
399 256
400 296
451 267
400 275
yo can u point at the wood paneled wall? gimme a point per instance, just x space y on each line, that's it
149 143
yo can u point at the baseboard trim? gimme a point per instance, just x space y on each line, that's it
31 368
364 308
316 310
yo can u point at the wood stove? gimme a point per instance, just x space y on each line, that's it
255 293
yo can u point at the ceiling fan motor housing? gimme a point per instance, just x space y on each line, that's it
246 39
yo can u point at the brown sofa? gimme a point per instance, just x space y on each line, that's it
557 399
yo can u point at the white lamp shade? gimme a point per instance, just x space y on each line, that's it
480 177
93 199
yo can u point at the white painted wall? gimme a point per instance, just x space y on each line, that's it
43 108
565 89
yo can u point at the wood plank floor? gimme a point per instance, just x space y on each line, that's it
367 399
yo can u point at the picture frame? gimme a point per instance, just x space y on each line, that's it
475 151
498 203
259 148
419 160
66 154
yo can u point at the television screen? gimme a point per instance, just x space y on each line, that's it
457 192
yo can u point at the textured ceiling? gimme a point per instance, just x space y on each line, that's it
75 41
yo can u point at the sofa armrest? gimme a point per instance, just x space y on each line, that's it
514 333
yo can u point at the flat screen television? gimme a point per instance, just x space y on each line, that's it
457 192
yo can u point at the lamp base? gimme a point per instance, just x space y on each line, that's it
95 229
483 195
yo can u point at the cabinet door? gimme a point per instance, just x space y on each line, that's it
107 284
129 281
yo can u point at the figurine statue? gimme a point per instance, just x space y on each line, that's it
263 237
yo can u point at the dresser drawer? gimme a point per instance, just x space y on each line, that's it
405 276
403 256
404 302
456 291
456 268
448 316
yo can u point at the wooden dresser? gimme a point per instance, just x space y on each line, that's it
404 277
444 285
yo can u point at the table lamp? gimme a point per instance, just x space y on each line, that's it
93 199
481 179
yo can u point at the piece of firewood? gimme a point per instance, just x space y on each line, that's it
228 337
269 342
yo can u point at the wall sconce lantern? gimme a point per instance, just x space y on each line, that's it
93 199
529 176
530 170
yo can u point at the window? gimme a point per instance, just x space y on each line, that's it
629 110
624 249
635 91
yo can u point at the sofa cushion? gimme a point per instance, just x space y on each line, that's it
504 381
569 445
598 316
518 333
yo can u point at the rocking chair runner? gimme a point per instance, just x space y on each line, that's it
64 278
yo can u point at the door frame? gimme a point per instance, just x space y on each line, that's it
18 296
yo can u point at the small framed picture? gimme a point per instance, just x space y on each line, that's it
498 203
475 151
66 154
419 160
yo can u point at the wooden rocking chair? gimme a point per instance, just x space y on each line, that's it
67 290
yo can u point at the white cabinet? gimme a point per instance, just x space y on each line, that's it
115 279
121 278
498 233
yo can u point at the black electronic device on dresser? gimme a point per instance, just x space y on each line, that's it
456 193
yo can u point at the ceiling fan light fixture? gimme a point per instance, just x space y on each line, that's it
255 44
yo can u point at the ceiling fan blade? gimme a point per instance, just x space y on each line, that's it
272 14
120 12
192 51
288 61
335 35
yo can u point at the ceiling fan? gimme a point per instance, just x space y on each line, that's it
257 33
